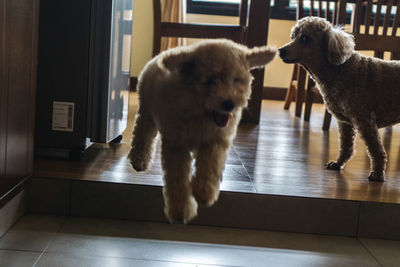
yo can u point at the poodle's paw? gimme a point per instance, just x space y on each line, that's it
181 212
137 161
376 177
205 193
333 165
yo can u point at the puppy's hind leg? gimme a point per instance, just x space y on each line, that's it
144 133
347 137
210 163
180 205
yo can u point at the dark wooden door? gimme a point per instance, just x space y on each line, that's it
18 46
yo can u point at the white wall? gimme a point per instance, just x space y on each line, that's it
142 35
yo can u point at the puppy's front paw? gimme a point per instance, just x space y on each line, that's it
138 162
376 177
181 212
333 165
205 193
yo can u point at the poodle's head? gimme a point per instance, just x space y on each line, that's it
218 73
314 39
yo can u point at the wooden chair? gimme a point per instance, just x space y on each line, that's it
236 33
375 35
297 88
252 30
371 38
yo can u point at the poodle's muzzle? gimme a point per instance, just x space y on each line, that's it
283 54
221 119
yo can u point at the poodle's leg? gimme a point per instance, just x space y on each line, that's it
142 144
210 163
180 205
347 136
376 151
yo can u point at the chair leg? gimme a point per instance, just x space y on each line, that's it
309 102
290 95
301 81
327 121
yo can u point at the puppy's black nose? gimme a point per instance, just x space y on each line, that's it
227 105
282 52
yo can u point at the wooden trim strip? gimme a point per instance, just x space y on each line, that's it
13 192
171 29
396 19
368 16
387 17
377 17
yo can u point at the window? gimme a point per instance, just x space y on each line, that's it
281 9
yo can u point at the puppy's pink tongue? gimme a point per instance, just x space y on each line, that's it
221 119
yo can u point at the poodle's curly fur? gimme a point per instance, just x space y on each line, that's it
193 96
362 92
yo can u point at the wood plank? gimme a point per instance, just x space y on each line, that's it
396 20
368 16
283 155
376 42
3 95
387 17
377 21
257 35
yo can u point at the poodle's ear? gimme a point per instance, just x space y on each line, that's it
259 56
178 60
340 46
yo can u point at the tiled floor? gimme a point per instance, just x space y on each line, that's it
38 240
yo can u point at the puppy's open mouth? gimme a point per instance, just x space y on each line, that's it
221 119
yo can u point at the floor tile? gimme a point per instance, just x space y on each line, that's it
10 258
65 260
195 253
32 232
387 252
206 245
12 211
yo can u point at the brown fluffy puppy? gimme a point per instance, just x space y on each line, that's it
193 96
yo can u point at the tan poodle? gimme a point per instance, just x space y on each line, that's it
362 92
193 96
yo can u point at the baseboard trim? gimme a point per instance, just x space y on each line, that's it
13 209
13 192
274 93
279 93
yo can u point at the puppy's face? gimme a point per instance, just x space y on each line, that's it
307 41
314 40
218 72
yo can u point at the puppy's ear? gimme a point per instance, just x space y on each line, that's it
259 56
182 61
340 45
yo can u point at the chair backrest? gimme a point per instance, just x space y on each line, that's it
317 10
237 33
375 34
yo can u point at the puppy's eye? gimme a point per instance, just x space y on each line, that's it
211 81
237 80
304 39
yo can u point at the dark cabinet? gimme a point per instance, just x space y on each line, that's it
18 60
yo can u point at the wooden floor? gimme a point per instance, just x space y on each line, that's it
283 155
